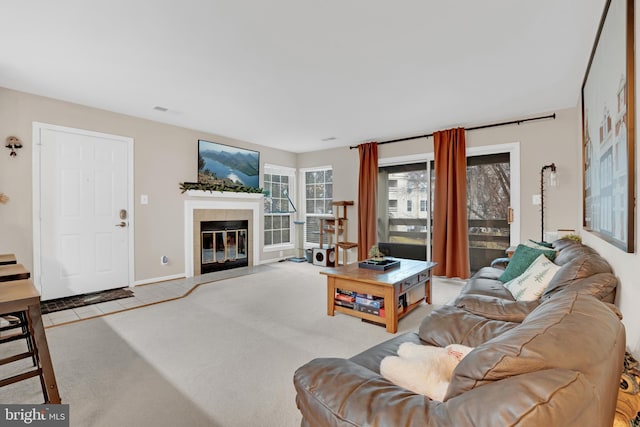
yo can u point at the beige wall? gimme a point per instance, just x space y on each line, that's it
164 155
541 142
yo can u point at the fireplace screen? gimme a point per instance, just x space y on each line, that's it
223 246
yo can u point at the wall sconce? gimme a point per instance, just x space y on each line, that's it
13 143
553 181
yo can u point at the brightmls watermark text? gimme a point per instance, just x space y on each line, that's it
35 415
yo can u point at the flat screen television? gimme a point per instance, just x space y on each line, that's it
217 162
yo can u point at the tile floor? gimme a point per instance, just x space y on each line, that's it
143 295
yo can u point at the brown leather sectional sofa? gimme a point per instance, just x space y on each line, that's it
551 362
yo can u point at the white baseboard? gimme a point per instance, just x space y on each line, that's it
159 279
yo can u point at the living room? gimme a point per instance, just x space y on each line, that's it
165 154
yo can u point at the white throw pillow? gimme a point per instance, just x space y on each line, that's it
530 285
423 369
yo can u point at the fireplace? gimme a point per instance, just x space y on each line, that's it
223 245
242 212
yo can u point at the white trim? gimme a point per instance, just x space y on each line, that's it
291 173
280 170
316 168
513 148
158 279
302 211
222 194
37 129
405 160
278 247
212 203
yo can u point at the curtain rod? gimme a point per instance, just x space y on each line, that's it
492 125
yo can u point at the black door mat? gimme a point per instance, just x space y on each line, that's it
85 299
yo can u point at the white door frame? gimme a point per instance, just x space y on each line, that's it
513 148
37 132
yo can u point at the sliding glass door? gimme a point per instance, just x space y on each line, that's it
405 204
488 207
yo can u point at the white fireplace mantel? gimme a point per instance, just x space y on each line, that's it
223 194
220 201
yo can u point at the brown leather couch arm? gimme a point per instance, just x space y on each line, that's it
335 392
339 392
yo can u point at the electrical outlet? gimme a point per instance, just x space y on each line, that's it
536 199
281 254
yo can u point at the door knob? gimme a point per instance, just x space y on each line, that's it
122 224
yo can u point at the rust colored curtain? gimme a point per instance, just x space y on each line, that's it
367 198
450 225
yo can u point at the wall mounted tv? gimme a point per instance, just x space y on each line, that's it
217 162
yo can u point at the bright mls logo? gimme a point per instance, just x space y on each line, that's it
35 415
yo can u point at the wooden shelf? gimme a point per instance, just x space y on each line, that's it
347 245
410 308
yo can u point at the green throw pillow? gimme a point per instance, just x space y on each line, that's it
545 244
522 259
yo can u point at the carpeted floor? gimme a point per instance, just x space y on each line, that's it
58 304
223 356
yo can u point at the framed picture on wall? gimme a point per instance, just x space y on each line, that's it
608 122
218 162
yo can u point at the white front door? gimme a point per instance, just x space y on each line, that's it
84 211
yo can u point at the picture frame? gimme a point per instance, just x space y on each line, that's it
220 162
608 129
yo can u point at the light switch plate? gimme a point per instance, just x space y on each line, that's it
536 199
144 199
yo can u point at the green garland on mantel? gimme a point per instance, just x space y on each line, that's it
219 185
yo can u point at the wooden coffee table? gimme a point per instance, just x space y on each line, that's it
390 285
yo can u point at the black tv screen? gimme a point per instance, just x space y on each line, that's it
217 162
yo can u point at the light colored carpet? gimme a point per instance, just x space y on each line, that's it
223 356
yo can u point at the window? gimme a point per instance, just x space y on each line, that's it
318 185
401 188
278 207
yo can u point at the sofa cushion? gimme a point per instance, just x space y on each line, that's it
483 284
521 259
496 308
580 267
575 251
530 285
452 325
559 333
600 285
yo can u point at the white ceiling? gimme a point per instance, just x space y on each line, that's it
290 73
